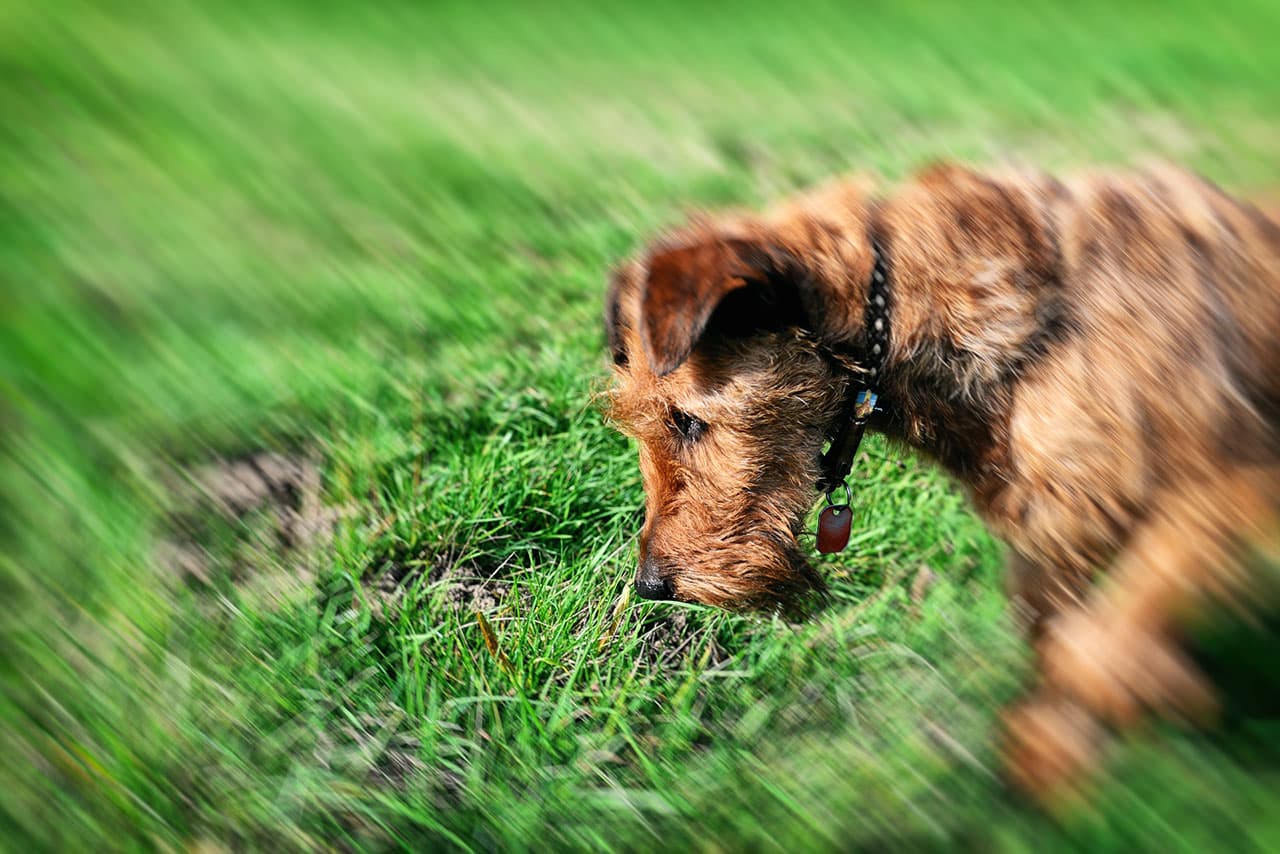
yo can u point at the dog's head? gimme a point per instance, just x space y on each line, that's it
721 337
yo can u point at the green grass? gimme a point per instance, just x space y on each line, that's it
378 236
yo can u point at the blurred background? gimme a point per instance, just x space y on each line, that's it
312 533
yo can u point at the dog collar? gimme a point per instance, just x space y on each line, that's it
834 523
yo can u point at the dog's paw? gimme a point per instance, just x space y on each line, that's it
1051 747
1120 671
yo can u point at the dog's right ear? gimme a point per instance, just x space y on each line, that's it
684 286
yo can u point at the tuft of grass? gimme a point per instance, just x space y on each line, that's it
377 237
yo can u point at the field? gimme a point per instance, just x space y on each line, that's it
313 534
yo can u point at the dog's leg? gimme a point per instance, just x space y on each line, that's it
1039 591
1115 658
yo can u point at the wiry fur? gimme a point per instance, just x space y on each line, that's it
1094 359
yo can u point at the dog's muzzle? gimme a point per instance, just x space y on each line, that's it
652 581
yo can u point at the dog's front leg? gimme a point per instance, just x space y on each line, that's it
1039 590
1116 657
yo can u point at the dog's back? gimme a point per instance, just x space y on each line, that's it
1181 287
1197 276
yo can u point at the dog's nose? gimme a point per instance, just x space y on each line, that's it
651 581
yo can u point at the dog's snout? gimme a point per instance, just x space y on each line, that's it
652 581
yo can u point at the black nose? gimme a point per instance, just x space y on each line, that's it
652 582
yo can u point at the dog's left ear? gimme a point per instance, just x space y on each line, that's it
737 285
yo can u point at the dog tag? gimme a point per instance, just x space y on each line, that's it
834 524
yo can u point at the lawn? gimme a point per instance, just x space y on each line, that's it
313 534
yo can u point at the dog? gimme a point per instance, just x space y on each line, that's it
1093 358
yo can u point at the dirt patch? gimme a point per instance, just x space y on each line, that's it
667 641
397 765
471 589
467 585
287 487
240 517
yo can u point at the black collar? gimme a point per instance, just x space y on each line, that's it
860 394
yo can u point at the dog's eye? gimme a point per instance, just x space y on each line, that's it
689 427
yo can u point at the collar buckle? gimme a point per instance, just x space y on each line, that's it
864 403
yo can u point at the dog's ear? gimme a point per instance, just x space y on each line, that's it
740 282
613 323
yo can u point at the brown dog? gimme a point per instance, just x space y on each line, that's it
1095 360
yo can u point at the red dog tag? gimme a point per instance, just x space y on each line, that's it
834 525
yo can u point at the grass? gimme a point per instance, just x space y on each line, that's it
377 237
